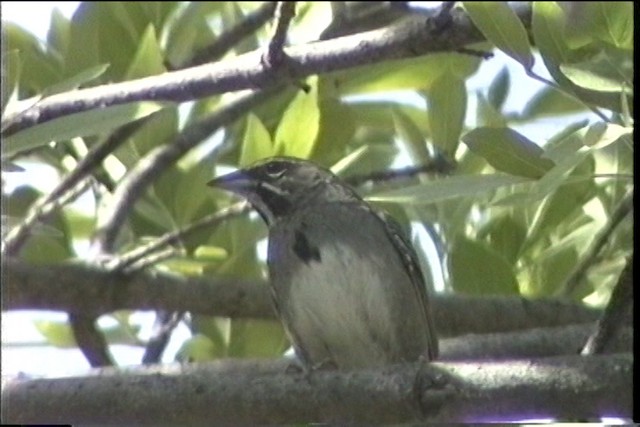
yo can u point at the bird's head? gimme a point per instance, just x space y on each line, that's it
278 186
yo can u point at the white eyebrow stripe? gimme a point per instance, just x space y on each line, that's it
274 189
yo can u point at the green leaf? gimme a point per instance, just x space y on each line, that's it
198 348
38 68
412 73
231 16
86 123
239 238
344 163
48 247
216 329
551 268
508 151
76 81
257 143
447 106
212 253
567 200
332 140
187 204
374 115
257 338
610 22
84 40
10 77
501 26
59 33
548 21
447 188
487 115
50 240
499 89
148 59
184 265
548 31
597 74
297 132
505 235
158 129
600 135
477 269
56 333
411 135
186 30
550 102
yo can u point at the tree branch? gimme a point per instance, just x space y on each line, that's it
624 208
156 161
225 41
408 38
251 392
90 340
40 210
77 288
616 315
284 13
18 236
127 261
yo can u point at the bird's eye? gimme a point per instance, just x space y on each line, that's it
275 169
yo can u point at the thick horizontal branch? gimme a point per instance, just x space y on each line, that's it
78 288
411 37
251 392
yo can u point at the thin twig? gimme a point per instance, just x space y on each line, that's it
124 261
17 237
228 39
163 327
90 340
443 19
569 93
439 166
158 160
152 259
613 319
621 212
284 13
357 17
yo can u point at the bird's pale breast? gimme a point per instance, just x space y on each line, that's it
347 299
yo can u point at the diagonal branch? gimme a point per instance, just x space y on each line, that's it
408 38
40 210
127 261
616 315
158 160
624 208
18 236
225 41
285 11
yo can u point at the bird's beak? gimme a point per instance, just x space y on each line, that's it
237 182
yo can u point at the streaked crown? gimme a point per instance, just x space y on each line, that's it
278 186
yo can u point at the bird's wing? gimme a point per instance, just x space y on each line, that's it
412 265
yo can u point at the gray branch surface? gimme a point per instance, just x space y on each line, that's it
85 289
262 392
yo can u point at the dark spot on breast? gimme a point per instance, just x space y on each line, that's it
304 249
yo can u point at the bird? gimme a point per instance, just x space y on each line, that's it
344 279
